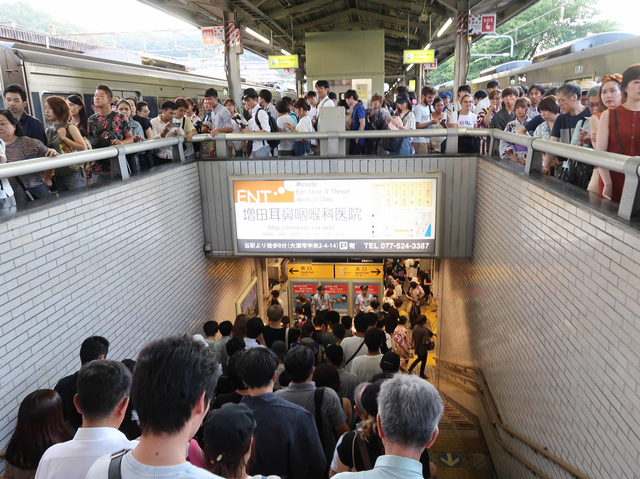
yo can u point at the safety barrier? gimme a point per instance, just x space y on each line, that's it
629 166
489 404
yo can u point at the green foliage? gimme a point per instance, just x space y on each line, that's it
547 24
28 18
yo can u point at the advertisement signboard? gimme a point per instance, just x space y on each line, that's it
283 61
419 56
373 289
339 293
373 216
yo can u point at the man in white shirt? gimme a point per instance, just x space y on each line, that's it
163 126
322 90
423 119
219 116
312 98
173 386
363 300
486 102
367 366
354 346
102 399
255 326
259 123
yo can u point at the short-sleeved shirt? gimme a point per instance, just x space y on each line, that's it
221 118
259 121
286 145
566 123
348 383
331 410
351 346
98 127
356 115
67 388
271 335
32 127
535 122
464 121
423 115
365 367
321 301
363 302
145 123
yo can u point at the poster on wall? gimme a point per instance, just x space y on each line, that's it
339 293
383 216
373 289
248 302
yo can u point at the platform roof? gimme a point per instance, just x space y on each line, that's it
407 24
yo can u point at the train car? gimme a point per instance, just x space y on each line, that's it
44 73
589 58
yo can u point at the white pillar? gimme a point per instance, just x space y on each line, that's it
462 47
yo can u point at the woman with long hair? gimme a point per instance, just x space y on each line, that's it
40 425
240 326
79 115
440 117
404 120
486 115
619 131
511 151
327 376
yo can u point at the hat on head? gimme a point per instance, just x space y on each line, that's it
587 84
320 286
445 94
279 348
369 398
390 361
402 98
364 286
250 93
228 428
309 343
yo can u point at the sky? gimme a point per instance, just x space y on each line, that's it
82 12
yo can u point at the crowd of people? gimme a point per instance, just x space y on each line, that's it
314 399
569 114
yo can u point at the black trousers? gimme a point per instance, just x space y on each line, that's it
423 362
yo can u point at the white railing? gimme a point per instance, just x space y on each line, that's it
629 166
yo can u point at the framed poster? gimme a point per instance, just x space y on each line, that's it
248 302
373 289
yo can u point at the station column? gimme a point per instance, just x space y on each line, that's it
462 46
232 67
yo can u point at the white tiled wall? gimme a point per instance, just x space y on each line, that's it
125 262
548 308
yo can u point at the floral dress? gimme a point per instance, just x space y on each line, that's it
401 337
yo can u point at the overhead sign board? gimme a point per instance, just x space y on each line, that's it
356 271
310 270
482 24
283 61
432 66
213 35
419 56
302 215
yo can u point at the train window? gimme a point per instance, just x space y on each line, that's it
48 95
522 78
512 80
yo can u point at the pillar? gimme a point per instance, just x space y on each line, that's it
232 67
462 46
419 77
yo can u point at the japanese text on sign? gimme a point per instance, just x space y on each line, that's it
419 56
481 24
283 61
354 215
310 270
213 35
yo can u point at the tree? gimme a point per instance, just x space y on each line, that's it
547 24
25 16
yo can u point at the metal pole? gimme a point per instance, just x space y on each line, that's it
232 63
462 46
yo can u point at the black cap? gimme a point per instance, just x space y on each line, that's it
227 429
390 362
250 93
320 286
402 98
279 348
369 398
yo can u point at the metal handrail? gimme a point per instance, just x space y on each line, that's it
492 409
629 166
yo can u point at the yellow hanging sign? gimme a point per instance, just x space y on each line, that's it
283 61
419 56
359 271
297 270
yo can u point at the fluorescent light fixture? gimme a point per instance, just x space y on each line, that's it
284 52
427 47
258 36
443 29
410 67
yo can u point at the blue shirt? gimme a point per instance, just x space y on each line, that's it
287 441
358 112
33 128
388 467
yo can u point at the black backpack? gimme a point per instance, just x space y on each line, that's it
273 126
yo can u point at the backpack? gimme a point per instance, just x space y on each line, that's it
393 144
273 126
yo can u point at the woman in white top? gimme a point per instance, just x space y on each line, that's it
465 119
284 118
512 151
301 109
405 120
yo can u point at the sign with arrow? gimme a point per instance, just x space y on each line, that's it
359 271
450 460
310 270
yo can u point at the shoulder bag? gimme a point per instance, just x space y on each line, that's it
354 354
115 465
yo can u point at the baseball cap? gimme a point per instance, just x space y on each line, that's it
250 93
228 428
390 362
445 94
402 98
279 348
309 343
369 398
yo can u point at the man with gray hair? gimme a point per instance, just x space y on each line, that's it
409 409
103 395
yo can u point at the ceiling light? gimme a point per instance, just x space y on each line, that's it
427 47
258 36
284 52
398 79
410 67
444 27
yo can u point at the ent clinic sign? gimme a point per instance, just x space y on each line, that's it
419 56
347 215
283 61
